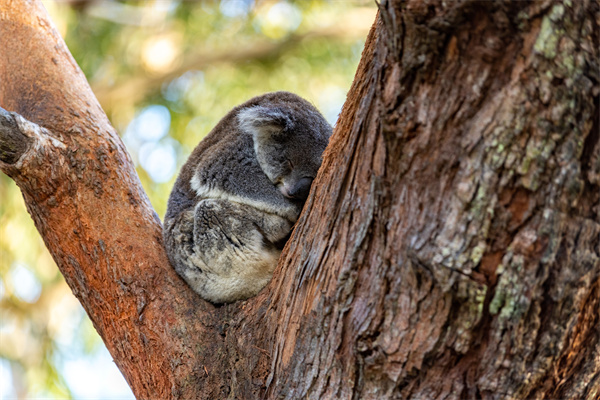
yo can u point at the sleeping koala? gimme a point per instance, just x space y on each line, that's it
239 194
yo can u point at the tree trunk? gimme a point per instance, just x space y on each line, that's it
450 247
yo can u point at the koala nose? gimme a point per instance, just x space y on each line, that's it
300 189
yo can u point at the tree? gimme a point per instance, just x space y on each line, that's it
449 248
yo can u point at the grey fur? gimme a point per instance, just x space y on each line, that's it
240 192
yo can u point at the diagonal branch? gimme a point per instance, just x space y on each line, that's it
87 202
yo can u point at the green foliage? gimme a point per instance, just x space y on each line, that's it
185 57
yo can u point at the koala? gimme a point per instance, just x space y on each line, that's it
240 192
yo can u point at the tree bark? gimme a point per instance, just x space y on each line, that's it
450 247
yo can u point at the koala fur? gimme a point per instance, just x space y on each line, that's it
240 192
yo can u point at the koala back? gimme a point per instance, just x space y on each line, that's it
254 139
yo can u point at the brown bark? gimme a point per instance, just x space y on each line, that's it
450 248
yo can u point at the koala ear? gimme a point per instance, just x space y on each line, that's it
262 122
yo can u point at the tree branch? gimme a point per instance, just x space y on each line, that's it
87 202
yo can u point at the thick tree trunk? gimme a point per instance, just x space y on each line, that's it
450 247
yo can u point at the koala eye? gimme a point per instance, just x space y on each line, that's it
287 167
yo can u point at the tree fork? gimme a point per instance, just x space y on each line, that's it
450 247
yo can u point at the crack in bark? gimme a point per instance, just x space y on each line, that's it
13 143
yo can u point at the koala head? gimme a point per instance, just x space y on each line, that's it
289 138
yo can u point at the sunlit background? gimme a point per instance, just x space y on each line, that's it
165 72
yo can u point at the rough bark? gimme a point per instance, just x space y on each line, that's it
450 247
